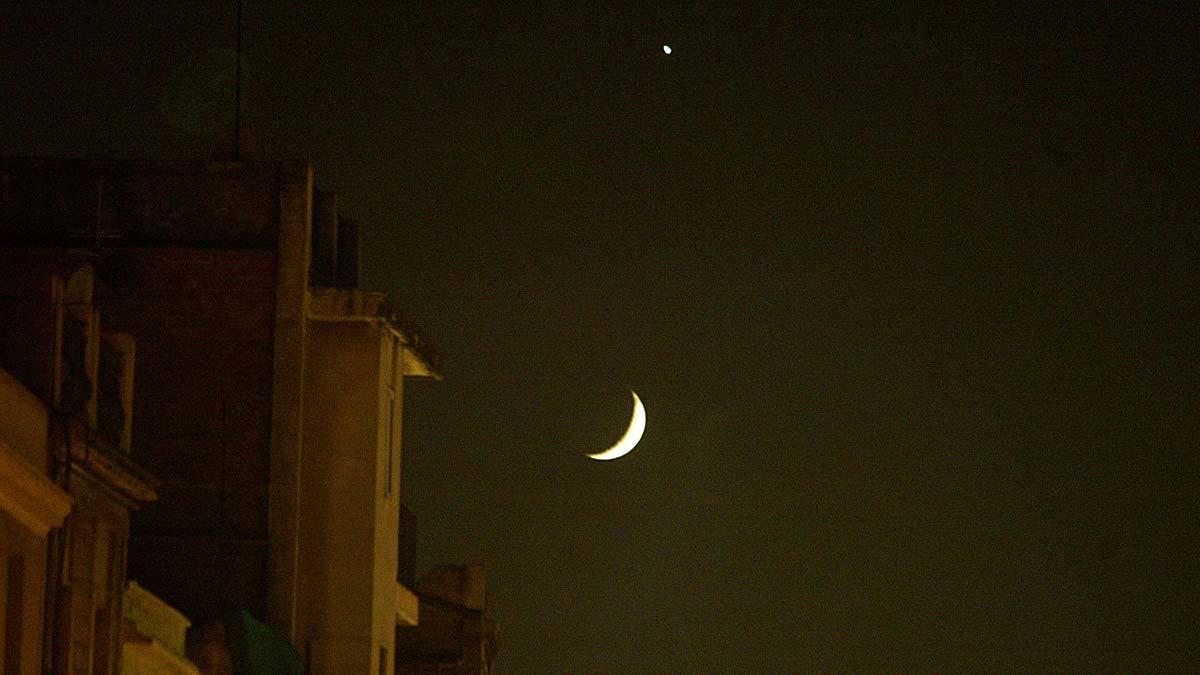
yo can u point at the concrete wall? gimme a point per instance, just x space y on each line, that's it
350 488
389 423
23 421
30 504
21 547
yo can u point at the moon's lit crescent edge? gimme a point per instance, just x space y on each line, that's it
637 426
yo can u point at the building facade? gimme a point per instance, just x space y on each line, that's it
154 636
355 367
267 401
31 505
72 404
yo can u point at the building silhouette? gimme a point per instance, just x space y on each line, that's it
266 404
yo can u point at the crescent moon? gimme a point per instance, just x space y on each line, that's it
637 426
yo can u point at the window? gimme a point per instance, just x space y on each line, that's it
75 388
114 389
77 346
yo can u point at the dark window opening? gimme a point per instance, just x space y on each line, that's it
76 386
110 408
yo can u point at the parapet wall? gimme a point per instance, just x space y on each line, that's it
112 202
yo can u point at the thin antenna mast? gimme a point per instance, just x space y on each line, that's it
237 89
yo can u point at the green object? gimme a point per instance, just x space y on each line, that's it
256 649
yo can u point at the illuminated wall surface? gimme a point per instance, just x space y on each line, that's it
350 487
30 506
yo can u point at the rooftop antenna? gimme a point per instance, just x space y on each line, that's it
237 88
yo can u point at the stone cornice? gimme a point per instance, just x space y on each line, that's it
95 458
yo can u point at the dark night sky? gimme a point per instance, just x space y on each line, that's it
910 297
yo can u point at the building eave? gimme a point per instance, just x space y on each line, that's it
354 304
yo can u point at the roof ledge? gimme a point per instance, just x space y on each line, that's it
355 304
